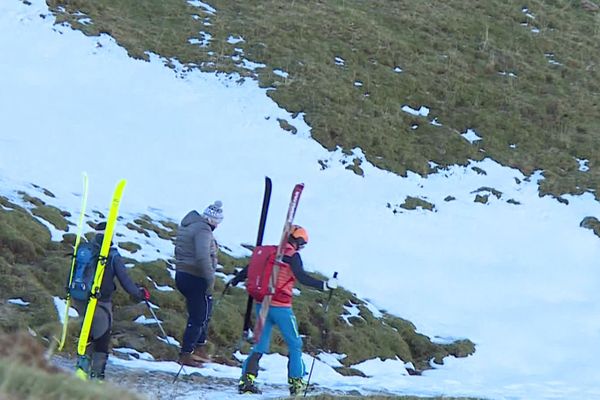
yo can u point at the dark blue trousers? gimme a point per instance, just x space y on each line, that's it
199 306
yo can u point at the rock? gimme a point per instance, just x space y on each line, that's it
590 6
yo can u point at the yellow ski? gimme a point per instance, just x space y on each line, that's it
91 307
77 240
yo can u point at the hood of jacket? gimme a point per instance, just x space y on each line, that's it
191 218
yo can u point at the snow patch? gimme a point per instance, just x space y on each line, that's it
471 136
206 7
235 39
332 359
583 164
378 367
280 73
374 310
60 305
170 340
353 311
251 65
161 288
142 320
422 111
18 302
134 354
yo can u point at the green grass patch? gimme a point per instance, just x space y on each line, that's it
53 215
490 190
146 223
130 246
412 203
482 198
531 96
21 237
591 223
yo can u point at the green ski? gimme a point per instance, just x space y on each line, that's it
83 361
63 336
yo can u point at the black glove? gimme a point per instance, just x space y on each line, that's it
234 281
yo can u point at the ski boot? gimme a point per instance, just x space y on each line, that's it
247 386
98 365
82 368
298 386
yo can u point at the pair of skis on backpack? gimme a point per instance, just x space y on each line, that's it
76 287
278 257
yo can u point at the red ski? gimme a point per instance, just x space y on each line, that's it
266 302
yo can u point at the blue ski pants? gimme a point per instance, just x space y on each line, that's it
285 320
199 306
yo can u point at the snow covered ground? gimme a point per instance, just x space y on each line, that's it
520 280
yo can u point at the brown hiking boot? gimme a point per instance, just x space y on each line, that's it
200 354
188 359
226 361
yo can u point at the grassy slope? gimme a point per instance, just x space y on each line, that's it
34 268
451 54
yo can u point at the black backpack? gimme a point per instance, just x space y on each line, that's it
84 271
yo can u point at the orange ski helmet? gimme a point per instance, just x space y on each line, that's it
299 235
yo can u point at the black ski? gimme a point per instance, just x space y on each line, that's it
259 240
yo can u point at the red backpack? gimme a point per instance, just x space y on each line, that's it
260 269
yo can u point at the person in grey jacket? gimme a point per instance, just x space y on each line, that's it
196 263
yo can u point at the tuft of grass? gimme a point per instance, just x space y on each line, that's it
23 382
483 199
21 237
146 223
495 192
130 246
412 203
591 223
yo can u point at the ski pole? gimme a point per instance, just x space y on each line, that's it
158 322
163 332
324 334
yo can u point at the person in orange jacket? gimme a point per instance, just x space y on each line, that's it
281 315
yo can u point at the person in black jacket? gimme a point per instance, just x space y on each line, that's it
100 331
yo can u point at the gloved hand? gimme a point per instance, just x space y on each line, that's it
144 293
233 281
331 284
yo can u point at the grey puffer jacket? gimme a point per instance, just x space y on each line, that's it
195 247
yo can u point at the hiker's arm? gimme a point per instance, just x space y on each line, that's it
295 263
240 276
124 278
